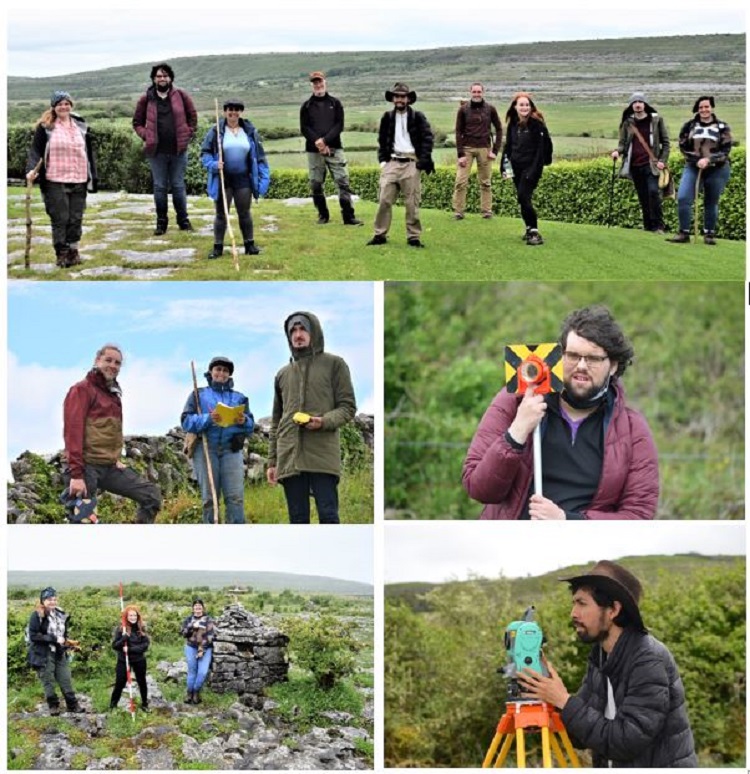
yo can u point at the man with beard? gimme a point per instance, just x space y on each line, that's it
474 124
630 710
313 398
599 458
165 119
404 149
92 428
321 120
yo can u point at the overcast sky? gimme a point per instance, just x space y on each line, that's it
81 35
345 551
55 329
440 551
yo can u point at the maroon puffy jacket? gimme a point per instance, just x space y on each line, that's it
183 111
499 476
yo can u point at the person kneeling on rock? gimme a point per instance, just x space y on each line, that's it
131 643
199 631
48 651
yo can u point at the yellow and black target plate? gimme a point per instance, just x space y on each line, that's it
519 355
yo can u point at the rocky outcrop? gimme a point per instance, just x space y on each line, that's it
248 656
34 492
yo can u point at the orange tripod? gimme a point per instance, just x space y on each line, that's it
534 716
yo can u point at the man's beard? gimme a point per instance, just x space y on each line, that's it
163 87
590 397
401 108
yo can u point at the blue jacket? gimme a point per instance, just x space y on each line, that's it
258 171
217 436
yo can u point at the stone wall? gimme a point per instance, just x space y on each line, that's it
248 655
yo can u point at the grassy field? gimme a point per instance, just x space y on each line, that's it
294 248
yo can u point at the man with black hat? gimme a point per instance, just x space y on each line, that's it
599 457
313 398
404 149
48 643
321 121
630 709
165 119
224 419
92 429
644 147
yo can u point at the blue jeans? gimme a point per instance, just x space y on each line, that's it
168 172
197 667
713 183
324 488
229 479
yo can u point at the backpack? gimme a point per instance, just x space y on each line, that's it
546 148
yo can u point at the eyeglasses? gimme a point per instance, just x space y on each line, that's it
573 358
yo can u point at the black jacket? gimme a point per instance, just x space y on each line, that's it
328 123
651 728
420 133
41 640
137 642
526 154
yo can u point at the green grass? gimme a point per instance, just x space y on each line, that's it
470 249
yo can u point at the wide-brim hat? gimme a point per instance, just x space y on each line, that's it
619 583
401 89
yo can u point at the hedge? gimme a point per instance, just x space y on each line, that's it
569 191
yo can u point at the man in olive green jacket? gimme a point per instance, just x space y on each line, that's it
313 398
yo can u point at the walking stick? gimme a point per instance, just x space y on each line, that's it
206 455
611 193
537 447
695 204
29 188
131 703
235 257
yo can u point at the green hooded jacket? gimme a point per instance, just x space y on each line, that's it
318 384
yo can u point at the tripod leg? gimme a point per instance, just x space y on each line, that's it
520 749
562 763
574 762
491 751
546 757
504 751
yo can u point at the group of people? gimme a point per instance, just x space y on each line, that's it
49 650
165 118
313 399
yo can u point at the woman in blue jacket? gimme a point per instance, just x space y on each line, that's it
246 173
225 435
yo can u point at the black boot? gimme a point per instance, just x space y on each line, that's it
161 226
319 200
196 697
72 705
74 257
54 706
251 248
62 254
185 225
681 237
347 213
217 251
709 237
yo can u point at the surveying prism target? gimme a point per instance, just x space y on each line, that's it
538 366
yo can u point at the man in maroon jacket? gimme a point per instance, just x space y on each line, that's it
599 459
92 428
165 119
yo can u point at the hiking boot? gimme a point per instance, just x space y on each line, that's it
681 237
414 242
189 697
534 238
347 213
74 257
54 706
62 256
378 239
145 708
458 216
709 238
486 215
186 225
73 706
322 220
217 252
197 697
251 248
354 222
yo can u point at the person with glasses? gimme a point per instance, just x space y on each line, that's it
598 454
246 173
92 430
165 119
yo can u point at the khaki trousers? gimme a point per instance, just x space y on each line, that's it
484 174
399 177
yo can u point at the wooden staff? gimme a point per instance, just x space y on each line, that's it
206 455
128 675
695 204
29 187
235 256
